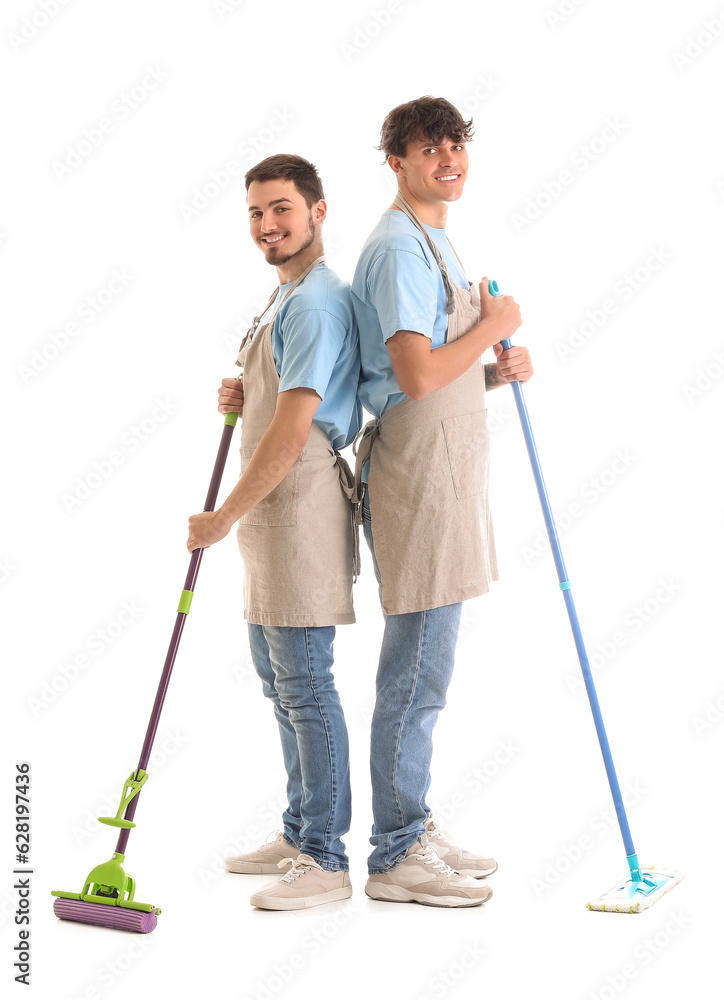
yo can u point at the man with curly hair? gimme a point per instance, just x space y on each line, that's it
422 476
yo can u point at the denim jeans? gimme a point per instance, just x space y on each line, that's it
416 664
295 666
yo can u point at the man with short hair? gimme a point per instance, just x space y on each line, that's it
296 532
422 475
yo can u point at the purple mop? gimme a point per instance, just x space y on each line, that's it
107 898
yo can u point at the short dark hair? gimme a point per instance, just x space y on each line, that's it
427 118
288 167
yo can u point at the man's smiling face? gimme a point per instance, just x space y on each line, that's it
434 173
280 221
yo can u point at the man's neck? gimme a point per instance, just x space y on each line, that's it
291 270
432 213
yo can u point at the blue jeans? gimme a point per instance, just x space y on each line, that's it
295 666
416 664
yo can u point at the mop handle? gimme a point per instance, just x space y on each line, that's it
181 615
565 586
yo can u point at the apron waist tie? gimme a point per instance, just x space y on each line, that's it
362 448
348 484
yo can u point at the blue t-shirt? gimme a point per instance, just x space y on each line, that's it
397 285
316 346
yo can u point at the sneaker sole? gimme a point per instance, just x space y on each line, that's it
398 894
251 867
475 872
301 903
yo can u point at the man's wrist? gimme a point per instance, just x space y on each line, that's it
226 517
488 332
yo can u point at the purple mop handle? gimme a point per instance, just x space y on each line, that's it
179 626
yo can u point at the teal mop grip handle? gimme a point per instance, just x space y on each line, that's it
565 585
231 418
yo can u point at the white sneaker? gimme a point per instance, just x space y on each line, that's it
305 884
265 859
423 877
465 862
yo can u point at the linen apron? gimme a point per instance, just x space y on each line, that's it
298 543
428 479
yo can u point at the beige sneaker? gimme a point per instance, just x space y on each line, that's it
423 877
305 884
265 859
462 861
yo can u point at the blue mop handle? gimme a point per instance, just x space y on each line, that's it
565 586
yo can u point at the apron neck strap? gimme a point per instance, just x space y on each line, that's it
404 205
255 322
302 276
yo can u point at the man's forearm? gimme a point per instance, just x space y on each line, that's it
450 361
274 456
440 366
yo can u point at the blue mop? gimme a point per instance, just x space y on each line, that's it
642 887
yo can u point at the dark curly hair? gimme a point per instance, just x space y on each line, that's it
289 167
427 118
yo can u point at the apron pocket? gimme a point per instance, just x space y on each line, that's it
278 509
466 442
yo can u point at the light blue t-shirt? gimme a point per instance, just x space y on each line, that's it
316 346
397 285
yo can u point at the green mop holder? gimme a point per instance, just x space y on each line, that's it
112 887
108 883
134 784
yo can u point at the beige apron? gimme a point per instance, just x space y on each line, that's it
428 480
298 543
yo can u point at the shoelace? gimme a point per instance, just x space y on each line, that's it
436 834
428 857
276 834
298 868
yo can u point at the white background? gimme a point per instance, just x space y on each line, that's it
236 82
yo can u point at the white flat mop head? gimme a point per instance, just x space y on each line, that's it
628 896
